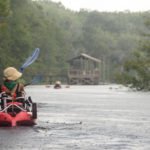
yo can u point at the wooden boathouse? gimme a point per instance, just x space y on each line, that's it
84 70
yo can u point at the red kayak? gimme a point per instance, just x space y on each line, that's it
18 112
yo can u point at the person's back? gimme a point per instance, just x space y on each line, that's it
11 85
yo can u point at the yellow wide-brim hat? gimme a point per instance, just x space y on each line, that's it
58 82
12 73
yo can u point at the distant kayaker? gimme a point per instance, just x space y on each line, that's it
57 85
11 84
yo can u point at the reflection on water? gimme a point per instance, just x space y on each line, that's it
84 117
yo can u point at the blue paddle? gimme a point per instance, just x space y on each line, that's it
30 59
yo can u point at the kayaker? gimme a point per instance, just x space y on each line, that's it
11 84
57 85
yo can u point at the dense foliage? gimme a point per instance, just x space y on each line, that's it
136 71
61 34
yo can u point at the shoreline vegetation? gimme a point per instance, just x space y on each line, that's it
119 39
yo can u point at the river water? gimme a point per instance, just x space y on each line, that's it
104 117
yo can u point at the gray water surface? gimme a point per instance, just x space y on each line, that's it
105 117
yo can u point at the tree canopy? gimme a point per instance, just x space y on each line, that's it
61 34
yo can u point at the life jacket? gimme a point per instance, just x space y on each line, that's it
16 90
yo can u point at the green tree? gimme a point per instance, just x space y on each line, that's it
137 70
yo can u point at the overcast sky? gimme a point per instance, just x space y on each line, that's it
107 5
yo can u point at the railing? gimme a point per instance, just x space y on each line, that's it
83 74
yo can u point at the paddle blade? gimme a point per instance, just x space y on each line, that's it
30 59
